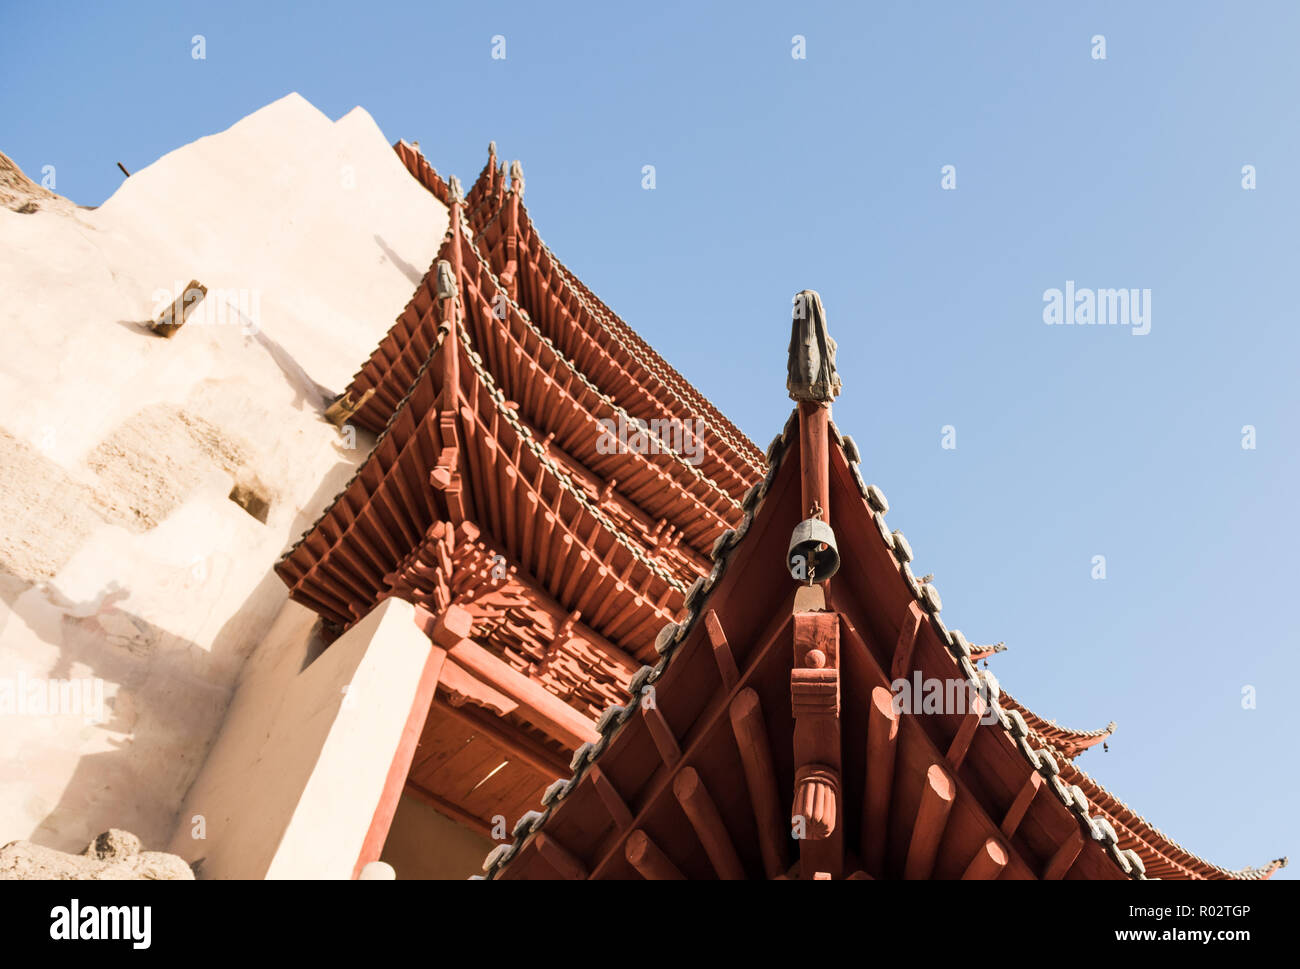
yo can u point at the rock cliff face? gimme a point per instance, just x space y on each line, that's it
150 484
114 855
22 195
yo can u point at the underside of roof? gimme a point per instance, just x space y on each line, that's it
721 711
564 566
655 796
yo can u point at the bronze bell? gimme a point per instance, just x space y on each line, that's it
813 555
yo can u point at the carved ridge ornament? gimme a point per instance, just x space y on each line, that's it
815 814
446 280
810 369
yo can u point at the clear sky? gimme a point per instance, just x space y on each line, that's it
774 174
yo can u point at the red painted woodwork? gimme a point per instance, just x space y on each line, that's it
548 568
929 795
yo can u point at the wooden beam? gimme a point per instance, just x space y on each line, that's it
446 628
703 814
609 796
173 318
559 857
652 795
965 733
515 744
760 776
345 408
449 392
901 664
539 707
443 806
721 651
882 747
475 551
814 459
1016 813
669 751
1064 858
649 860
988 862
926 752
937 796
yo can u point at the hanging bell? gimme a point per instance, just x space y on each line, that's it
813 556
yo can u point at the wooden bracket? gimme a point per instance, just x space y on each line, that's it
173 318
816 812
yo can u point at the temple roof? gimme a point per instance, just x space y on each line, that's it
978 653
550 567
599 553
1031 812
486 496
615 358
1067 741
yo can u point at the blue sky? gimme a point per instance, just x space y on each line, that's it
775 174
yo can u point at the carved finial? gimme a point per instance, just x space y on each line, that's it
492 151
454 194
810 369
446 280
517 178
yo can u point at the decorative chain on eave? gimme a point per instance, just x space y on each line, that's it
601 316
587 382
526 435
603 319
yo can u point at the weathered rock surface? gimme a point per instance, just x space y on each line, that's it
151 484
114 855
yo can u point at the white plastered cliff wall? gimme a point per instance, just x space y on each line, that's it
122 558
